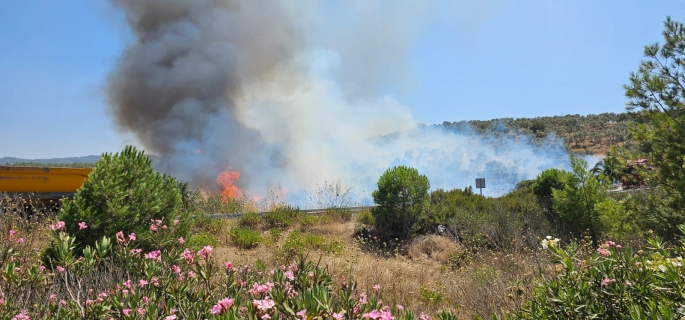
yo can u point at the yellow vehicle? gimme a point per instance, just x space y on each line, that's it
42 183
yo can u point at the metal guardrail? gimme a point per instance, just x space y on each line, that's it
307 211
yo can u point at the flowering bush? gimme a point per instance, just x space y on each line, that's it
116 279
612 282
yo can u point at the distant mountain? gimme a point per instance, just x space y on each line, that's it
85 159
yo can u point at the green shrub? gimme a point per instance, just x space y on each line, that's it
612 282
273 236
333 247
431 296
209 224
124 193
365 218
293 246
401 197
200 239
244 238
282 217
308 220
250 220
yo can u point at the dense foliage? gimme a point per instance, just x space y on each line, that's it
611 282
657 99
124 193
401 198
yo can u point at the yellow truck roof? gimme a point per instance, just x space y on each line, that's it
41 179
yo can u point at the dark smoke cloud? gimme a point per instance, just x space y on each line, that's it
177 86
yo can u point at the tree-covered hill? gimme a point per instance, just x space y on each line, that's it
592 134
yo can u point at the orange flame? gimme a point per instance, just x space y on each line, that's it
227 179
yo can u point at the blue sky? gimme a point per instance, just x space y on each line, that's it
491 60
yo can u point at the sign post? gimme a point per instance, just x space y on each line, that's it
480 184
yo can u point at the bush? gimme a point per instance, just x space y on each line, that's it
124 193
365 218
612 282
250 220
282 217
401 197
244 238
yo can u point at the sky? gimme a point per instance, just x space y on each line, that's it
493 59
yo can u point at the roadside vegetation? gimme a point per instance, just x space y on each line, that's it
136 244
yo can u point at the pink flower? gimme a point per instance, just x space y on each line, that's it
41 268
120 237
205 252
424 316
12 233
338 316
57 226
289 275
21 316
171 317
141 311
362 298
302 314
189 255
132 236
154 255
126 311
607 281
82 225
222 306
20 240
155 281
127 284
628 283
136 252
377 288
264 304
603 252
181 240
176 222
266 316
191 274
228 266
399 307
175 269
60 269
143 282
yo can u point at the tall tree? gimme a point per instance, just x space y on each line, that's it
657 99
583 199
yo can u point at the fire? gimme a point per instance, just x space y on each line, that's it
227 179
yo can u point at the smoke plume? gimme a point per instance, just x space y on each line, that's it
271 90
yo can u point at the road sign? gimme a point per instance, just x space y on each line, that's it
480 184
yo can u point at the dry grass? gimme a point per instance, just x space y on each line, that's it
423 275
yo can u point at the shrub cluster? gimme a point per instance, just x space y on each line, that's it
613 282
173 281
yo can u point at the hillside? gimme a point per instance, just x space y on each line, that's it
591 134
